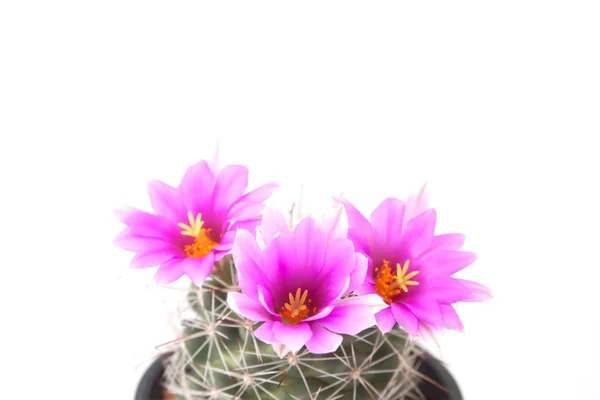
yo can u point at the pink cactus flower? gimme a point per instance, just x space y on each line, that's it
194 225
298 284
411 268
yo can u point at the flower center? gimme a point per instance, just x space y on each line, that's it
389 285
202 244
297 309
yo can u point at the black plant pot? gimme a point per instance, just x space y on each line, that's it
151 384
438 384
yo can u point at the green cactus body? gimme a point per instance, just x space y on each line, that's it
218 357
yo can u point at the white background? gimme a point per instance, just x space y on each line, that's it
495 104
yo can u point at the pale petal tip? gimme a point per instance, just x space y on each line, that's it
423 188
215 164
118 241
489 295
384 329
281 350
340 199
232 303
121 212
162 278
260 240
335 222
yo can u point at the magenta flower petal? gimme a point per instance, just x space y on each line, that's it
451 318
257 195
352 315
247 307
129 241
249 225
366 288
357 277
333 293
387 222
169 271
385 320
452 290
419 232
448 290
265 333
199 268
261 193
265 298
372 301
293 336
154 253
278 258
339 265
406 318
166 200
197 186
229 186
339 261
447 262
478 292
325 311
152 226
448 241
359 228
273 223
323 341
247 256
425 308
226 243
310 246
245 211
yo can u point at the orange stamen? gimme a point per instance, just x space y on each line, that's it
296 310
390 285
202 244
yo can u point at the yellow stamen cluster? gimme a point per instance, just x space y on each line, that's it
297 309
389 285
202 244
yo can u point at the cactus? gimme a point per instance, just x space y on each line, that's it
218 357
